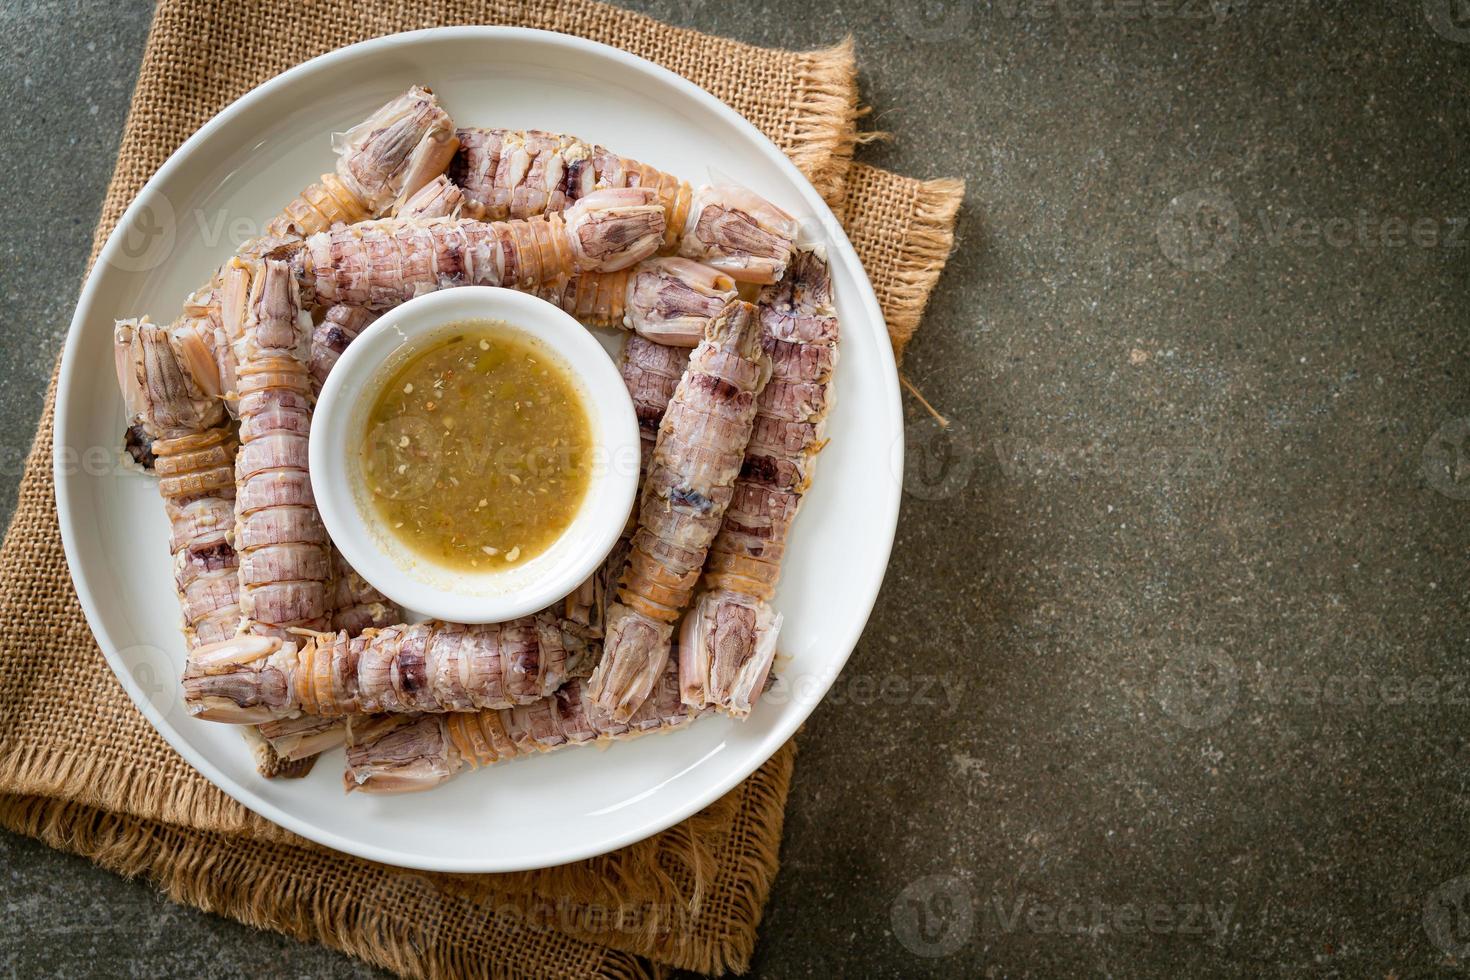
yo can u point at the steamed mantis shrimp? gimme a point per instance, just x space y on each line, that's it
430 666
195 452
728 639
696 458
516 174
380 162
651 371
378 264
284 635
404 754
285 564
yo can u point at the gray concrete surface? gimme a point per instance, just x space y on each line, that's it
1168 675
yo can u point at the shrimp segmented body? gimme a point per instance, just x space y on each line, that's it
433 667
696 459
356 605
379 264
285 564
508 173
651 372
728 640
339 328
403 754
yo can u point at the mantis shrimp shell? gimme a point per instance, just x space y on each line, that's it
379 264
728 640
402 754
434 667
651 371
197 483
507 173
356 605
696 459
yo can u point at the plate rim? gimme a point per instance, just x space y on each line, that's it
835 238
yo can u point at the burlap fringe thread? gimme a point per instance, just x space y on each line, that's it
903 264
413 923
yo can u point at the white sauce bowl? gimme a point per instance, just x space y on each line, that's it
339 432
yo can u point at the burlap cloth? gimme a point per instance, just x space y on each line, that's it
83 771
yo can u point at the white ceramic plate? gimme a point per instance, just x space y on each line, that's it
215 192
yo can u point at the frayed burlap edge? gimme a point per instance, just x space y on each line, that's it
36 771
225 877
414 924
903 263
929 243
823 133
